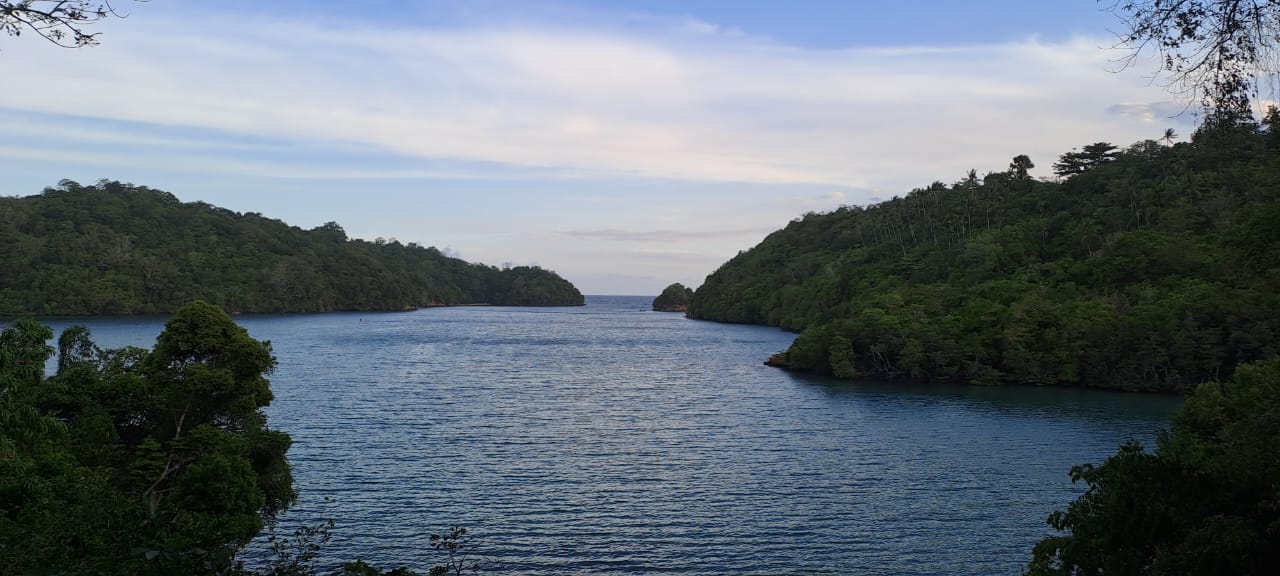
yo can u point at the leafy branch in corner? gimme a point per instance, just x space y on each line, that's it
62 22
1222 52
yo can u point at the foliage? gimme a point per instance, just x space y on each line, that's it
1156 270
674 298
1207 501
299 554
1219 51
1019 167
62 22
296 555
122 249
362 568
143 462
1091 157
154 462
454 545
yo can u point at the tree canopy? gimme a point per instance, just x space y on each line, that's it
1090 157
129 461
1156 270
1221 52
115 248
674 298
148 462
1205 502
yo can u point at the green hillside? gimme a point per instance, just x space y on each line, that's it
674 298
120 249
1154 267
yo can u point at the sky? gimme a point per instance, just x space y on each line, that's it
624 144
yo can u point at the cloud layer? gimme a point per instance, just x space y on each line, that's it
678 101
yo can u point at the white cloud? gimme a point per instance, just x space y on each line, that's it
1166 112
664 236
704 106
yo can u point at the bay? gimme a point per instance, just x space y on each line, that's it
609 439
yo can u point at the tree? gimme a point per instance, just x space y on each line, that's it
1169 136
453 544
1220 52
62 22
154 462
1205 502
24 349
1092 156
75 348
1020 165
209 378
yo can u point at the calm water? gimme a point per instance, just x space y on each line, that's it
608 439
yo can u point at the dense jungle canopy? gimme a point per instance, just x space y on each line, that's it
116 248
1154 268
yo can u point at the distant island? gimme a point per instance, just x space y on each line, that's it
674 298
115 248
1154 267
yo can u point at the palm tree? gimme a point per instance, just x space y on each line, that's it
1169 135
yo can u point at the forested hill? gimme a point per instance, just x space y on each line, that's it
1153 268
120 249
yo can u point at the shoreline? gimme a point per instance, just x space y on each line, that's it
11 317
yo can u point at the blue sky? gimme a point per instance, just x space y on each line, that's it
626 145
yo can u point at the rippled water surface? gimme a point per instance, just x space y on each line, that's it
608 439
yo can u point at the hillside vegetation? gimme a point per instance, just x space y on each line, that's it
1204 501
1154 267
674 298
120 249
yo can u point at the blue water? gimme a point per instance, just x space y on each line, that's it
608 439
